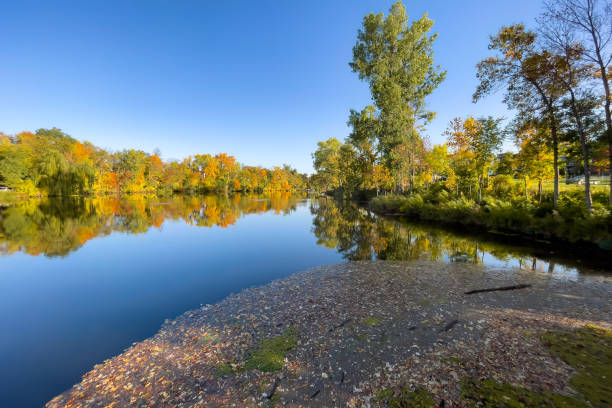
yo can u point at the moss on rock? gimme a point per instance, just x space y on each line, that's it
589 351
490 393
419 398
370 320
270 353
224 369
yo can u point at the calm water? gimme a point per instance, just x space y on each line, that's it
82 279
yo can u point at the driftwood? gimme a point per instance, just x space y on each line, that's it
513 287
270 393
450 325
340 325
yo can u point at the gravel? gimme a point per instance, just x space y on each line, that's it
362 327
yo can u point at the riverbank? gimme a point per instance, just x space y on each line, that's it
567 225
360 333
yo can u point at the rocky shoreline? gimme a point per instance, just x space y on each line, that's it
354 334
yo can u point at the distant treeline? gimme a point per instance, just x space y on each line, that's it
50 162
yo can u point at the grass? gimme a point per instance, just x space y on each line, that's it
269 355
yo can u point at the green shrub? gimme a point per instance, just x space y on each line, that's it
571 222
503 186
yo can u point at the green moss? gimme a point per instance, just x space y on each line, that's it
370 321
489 393
418 398
452 360
208 338
424 302
589 351
270 353
224 369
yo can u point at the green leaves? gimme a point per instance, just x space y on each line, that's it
396 59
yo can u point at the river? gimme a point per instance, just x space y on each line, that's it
81 279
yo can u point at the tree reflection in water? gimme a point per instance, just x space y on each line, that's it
60 225
55 227
358 235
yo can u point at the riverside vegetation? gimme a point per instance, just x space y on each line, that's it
51 163
555 79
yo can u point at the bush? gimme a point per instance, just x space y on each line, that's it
572 222
572 206
504 186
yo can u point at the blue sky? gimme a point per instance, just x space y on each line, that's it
261 80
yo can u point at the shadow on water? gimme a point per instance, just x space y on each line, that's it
359 234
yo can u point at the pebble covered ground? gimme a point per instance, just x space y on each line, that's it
352 330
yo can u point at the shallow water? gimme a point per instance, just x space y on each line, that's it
82 279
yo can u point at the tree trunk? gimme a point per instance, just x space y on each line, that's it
585 151
526 196
553 131
550 109
480 189
540 191
608 98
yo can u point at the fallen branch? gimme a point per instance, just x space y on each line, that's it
341 379
340 325
270 393
513 287
450 325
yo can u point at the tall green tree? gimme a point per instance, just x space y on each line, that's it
396 59
326 161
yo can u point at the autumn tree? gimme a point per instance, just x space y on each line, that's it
529 80
504 164
572 75
479 138
438 161
534 159
590 22
326 161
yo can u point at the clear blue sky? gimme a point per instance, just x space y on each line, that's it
261 80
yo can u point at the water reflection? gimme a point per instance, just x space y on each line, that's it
58 226
361 235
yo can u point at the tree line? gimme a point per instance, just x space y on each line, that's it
555 78
50 162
